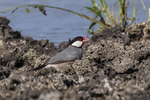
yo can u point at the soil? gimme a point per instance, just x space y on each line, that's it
114 66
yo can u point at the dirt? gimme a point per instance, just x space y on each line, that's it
114 66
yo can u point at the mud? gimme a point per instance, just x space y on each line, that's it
114 66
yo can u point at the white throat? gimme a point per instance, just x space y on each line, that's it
77 44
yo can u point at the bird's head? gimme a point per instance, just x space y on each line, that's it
79 41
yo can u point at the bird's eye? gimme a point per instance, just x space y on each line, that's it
79 39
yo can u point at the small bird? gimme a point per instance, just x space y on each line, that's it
68 55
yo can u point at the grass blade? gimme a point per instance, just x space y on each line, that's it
145 8
133 13
101 3
120 12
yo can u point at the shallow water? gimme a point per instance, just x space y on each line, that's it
57 26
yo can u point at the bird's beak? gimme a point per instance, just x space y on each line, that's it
85 39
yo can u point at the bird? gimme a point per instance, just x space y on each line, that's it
68 55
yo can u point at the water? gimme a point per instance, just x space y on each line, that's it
57 26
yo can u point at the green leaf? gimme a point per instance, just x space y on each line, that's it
145 8
27 10
95 11
94 3
133 13
101 3
92 24
91 31
101 30
133 9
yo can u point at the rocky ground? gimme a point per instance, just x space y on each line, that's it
114 66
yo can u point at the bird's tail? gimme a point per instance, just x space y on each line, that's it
39 67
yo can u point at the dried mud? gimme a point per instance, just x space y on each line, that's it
114 66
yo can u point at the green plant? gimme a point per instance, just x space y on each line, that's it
145 8
107 17
103 16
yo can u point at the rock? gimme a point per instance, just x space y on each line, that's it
114 66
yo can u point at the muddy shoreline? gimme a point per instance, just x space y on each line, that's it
114 66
